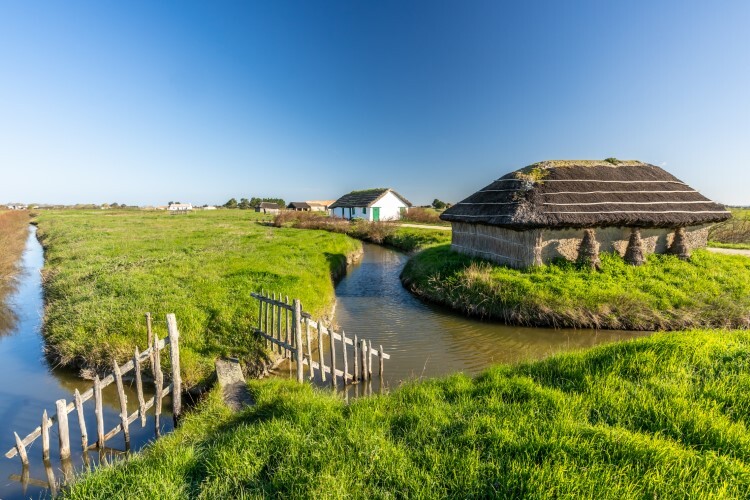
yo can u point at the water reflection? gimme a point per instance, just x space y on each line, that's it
30 386
428 341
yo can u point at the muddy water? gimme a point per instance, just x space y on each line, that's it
29 385
426 340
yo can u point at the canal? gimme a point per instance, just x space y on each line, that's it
30 386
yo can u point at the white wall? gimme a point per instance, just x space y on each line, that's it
390 207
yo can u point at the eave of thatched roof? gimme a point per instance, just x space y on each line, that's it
365 198
587 193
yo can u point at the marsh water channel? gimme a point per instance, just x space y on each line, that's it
29 385
426 340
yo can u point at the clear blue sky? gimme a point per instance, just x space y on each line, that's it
146 102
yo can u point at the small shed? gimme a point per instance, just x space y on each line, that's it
268 208
574 209
299 206
379 204
179 208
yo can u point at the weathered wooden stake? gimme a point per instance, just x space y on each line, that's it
260 314
369 359
62 428
148 329
282 351
321 357
123 403
265 318
287 327
309 348
346 359
356 358
81 420
174 352
300 347
364 359
51 481
139 387
380 359
158 384
99 412
333 356
21 450
45 436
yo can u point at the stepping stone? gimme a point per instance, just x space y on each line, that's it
233 387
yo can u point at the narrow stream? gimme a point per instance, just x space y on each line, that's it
426 340
29 386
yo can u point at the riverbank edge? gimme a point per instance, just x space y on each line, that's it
422 280
629 419
252 368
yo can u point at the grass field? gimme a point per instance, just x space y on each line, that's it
13 233
734 233
666 293
105 269
662 417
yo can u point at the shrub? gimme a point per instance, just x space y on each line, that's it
422 215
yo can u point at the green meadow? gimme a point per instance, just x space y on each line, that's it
710 291
105 269
662 417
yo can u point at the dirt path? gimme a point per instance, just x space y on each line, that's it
730 251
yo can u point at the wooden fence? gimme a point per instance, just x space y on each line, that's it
287 328
136 364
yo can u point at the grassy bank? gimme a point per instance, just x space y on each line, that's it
105 269
13 233
382 233
734 233
665 293
659 417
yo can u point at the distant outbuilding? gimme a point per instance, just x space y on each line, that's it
16 206
268 208
379 204
573 209
179 208
310 206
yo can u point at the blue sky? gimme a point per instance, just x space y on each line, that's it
146 102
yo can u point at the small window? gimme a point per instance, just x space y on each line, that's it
364 210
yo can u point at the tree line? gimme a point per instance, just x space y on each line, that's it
252 203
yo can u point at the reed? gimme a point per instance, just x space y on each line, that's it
13 234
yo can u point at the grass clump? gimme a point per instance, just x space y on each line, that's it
105 269
710 291
651 418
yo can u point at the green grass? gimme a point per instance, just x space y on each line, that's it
411 239
666 293
662 417
105 269
734 233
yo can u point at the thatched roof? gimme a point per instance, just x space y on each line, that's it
587 193
366 198
268 205
302 205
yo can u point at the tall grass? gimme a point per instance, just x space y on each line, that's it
665 293
105 269
423 216
662 417
13 234
734 233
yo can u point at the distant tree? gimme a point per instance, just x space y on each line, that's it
438 205
232 203
114 205
244 204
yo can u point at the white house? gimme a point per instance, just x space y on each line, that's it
370 204
179 208
16 206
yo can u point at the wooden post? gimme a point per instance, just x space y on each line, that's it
174 352
62 428
321 357
300 347
356 358
45 436
265 319
333 356
150 334
81 420
369 360
123 403
364 359
50 478
158 384
21 450
260 314
380 355
99 412
346 359
309 348
139 387
287 327
282 351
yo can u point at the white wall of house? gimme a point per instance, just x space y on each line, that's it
390 207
